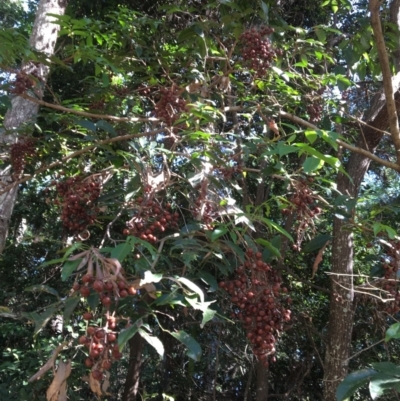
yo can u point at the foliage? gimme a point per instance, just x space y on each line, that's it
162 163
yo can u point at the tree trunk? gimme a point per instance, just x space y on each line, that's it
342 308
23 112
135 362
261 382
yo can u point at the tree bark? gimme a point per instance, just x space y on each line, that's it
23 112
342 307
135 362
262 382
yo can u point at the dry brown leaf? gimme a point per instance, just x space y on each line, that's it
151 289
59 382
95 386
106 383
48 365
318 259
63 392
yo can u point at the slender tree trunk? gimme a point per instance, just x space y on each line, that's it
342 308
261 382
23 112
135 362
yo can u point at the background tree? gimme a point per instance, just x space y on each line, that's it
193 168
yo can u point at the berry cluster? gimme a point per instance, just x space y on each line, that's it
315 105
205 211
97 105
106 277
302 203
78 196
144 90
257 50
19 152
24 82
150 220
170 106
102 347
257 296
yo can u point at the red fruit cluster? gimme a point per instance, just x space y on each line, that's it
19 152
24 82
102 347
144 90
302 203
106 285
77 197
229 172
205 211
97 105
150 220
315 105
170 106
258 298
257 50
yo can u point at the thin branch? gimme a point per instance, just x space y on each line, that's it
345 145
78 153
87 114
374 6
365 349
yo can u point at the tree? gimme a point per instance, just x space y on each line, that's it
186 170
22 113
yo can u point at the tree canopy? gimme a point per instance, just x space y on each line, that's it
199 200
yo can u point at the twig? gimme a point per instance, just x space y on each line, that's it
345 145
374 6
365 349
77 153
87 114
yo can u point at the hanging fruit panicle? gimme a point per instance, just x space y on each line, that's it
78 196
259 302
257 49
151 219
106 277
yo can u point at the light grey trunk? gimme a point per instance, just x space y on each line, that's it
19 118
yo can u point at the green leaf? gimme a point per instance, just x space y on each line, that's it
150 277
393 332
269 246
125 335
192 286
218 232
311 136
121 251
388 368
69 306
93 300
104 125
87 124
153 341
42 288
7 312
69 267
40 320
277 227
208 315
316 243
311 164
194 349
353 382
382 383
208 279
